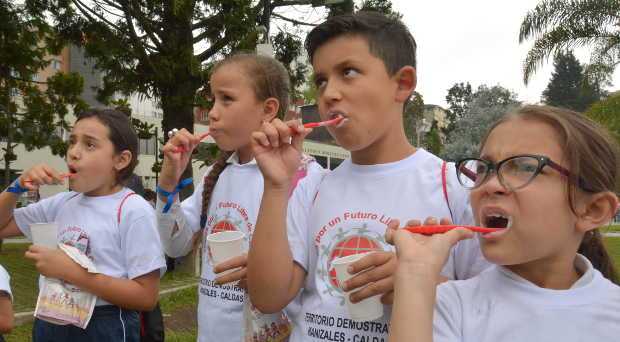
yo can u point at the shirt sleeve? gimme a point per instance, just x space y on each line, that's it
447 319
178 226
298 214
44 211
140 242
192 206
5 282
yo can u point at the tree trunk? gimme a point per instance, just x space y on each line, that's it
8 155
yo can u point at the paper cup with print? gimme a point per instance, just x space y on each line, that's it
369 309
45 234
225 245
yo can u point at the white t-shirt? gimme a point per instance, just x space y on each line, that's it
5 282
498 305
349 215
234 205
126 250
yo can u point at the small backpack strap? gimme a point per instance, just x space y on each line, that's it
444 184
120 207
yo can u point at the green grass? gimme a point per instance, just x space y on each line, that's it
21 333
178 299
169 303
182 336
177 278
611 228
24 277
183 299
24 285
613 246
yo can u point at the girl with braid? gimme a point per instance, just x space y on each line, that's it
247 90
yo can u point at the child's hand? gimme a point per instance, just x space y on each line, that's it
420 255
277 147
175 162
38 175
238 275
53 263
380 278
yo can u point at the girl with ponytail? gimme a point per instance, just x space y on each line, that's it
247 90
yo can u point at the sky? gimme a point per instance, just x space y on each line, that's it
474 41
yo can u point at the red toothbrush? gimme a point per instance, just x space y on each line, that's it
440 229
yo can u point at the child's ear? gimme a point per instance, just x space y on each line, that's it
406 79
270 109
123 160
596 210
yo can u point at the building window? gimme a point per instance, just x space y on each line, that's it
56 64
61 133
147 146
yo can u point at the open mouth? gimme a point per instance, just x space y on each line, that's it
499 220
72 171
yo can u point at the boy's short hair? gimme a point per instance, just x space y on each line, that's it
388 38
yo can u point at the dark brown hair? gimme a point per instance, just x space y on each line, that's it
121 134
591 154
388 38
269 80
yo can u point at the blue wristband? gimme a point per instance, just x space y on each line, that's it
16 188
170 195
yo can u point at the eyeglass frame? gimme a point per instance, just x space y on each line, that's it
494 167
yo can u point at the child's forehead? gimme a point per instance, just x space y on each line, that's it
518 136
230 75
90 127
340 49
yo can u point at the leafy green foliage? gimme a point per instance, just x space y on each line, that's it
32 111
607 113
559 25
486 106
569 87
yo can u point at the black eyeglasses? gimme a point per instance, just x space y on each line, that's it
513 173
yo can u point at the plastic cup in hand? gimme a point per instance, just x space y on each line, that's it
224 246
368 309
45 234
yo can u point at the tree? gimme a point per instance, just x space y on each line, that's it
382 6
564 88
559 25
487 105
458 99
432 141
412 116
568 86
32 110
164 49
607 113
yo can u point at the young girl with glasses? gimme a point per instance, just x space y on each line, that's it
546 177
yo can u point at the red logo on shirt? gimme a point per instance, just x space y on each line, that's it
223 226
356 244
341 242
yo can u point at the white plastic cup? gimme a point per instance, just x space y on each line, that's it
224 246
368 309
45 234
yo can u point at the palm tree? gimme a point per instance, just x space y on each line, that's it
559 25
